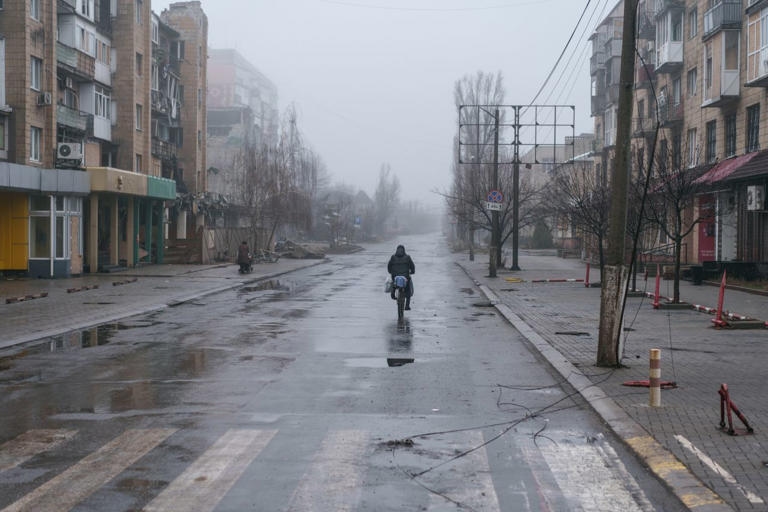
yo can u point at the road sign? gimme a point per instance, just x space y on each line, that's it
495 196
493 206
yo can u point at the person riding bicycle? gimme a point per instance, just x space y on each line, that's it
401 264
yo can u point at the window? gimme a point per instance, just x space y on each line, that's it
85 8
692 79
139 64
138 163
155 77
139 117
34 9
155 31
693 23
711 154
36 73
35 136
139 12
677 90
200 98
677 150
3 133
103 107
753 128
708 68
730 135
691 147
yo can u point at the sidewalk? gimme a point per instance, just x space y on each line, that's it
680 441
82 302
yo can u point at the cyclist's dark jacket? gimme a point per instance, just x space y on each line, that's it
401 264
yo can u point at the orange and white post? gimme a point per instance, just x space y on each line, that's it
655 378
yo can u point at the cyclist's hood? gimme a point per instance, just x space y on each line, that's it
400 252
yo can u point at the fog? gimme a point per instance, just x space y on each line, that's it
372 80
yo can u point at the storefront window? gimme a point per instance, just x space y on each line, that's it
60 203
40 239
40 203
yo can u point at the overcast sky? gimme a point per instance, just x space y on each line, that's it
372 80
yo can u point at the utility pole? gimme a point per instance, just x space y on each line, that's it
495 236
615 272
516 192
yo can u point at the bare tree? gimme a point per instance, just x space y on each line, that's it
466 194
582 197
385 198
671 200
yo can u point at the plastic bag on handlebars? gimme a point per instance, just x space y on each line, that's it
388 286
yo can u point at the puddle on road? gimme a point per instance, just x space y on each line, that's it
572 333
376 362
74 340
272 284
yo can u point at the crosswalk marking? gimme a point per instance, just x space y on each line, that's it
66 490
19 450
334 480
593 476
211 476
468 480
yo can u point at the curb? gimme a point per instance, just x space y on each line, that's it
663 464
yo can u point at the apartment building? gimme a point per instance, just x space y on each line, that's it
80 187
242 112
190 55
701 75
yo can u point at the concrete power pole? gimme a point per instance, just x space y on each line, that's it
615 273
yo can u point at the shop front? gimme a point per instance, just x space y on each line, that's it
41 222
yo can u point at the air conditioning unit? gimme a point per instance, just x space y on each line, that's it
69 151
755 195
69 83
45 98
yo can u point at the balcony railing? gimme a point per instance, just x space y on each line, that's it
725 14
670 113
669 56
662 6
163 150
77 61
642 126
596 63
75 119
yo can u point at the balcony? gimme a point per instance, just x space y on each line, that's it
645 76
613 93
670 114
757 69
725 14
163 150
596 63
74 119
664 6
598 105
76 61
669 57
643 127
724 90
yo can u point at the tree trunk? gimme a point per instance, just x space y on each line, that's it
678 256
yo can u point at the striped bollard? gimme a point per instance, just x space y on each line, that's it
586 278
655 378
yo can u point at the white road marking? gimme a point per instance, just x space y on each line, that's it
213 474
717 468
66 490
592 478
466 480
334 480
19 450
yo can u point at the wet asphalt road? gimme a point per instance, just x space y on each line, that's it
307 394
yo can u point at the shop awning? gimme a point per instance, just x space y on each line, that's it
725 169
161 188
